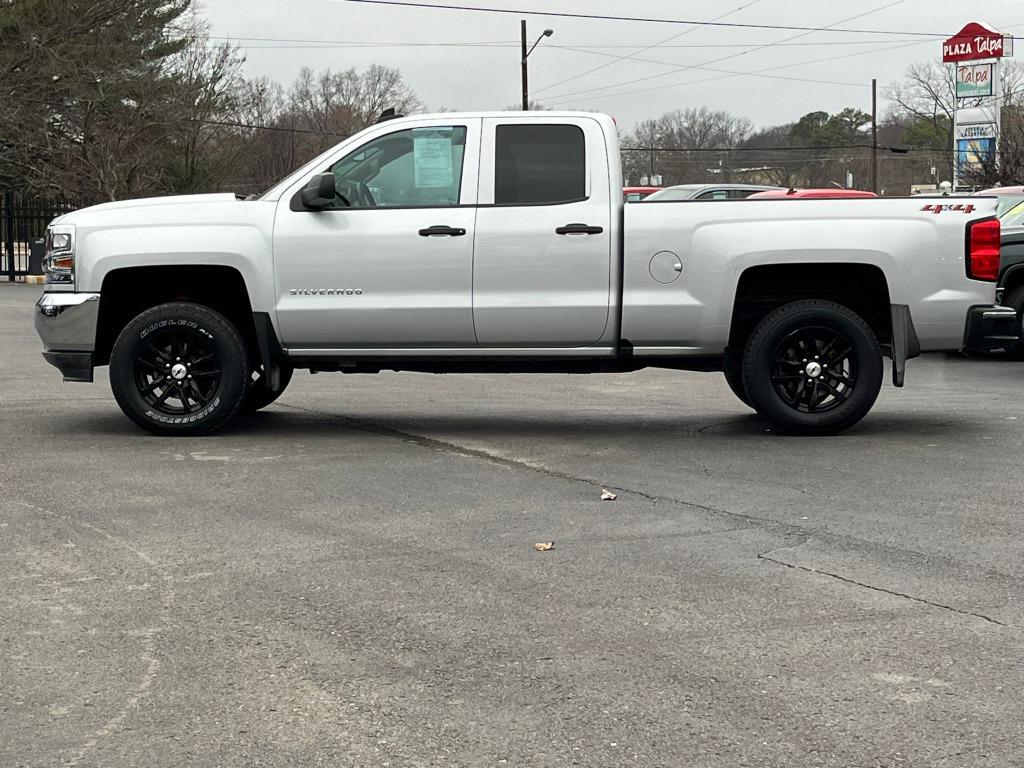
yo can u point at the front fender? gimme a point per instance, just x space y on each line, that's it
243 248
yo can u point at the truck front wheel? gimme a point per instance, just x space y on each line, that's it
179 369
812 367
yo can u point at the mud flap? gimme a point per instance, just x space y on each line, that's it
270 350
905 344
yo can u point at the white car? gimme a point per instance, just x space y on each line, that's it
708 192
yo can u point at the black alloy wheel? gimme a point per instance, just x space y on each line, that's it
177 372
180 369
812 367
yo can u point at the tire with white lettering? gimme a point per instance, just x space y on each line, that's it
812 367
180 369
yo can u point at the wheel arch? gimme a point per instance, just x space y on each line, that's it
1012 278
127 291
762 288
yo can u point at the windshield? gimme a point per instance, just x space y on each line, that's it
673 193
1010 211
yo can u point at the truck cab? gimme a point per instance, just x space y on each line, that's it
452 233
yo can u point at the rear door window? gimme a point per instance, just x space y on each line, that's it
539 164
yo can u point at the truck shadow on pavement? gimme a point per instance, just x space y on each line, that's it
285 422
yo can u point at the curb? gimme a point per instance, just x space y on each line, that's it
34 279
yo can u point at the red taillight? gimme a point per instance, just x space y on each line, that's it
983 250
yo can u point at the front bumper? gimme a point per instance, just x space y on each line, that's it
990 327
66 323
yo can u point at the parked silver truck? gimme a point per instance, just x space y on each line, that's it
500 242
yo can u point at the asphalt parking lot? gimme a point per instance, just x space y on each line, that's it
349 578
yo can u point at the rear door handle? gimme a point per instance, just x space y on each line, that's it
441 229
578 229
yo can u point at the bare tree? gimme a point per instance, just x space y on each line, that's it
675 142
207 94
924 103
338 104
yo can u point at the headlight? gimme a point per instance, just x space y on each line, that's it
59 261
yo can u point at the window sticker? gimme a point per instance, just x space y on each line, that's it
432 157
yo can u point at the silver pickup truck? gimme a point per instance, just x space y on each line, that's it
499 242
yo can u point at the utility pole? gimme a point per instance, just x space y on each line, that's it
525 54
526 90
874 135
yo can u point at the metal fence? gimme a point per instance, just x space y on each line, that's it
23 219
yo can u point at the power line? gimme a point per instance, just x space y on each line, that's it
682 68
299 42
897 150
307 43
814 148
645 19
202 121
759 73
727 72
643 50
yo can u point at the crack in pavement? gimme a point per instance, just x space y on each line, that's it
767 524
148 652
444 446
767 556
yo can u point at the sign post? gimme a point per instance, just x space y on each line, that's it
975 52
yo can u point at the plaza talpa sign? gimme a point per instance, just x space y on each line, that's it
975 42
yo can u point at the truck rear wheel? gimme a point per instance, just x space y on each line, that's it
179 369
812 367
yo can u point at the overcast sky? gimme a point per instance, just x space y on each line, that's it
487 77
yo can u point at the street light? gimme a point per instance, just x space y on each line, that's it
526 55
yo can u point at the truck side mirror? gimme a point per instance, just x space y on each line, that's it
319 192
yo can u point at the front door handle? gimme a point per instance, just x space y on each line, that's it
441 229
578 229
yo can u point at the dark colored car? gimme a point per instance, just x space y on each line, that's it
1010 288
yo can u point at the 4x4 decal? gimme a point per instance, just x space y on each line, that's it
969 208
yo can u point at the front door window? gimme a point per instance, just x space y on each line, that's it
415 168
